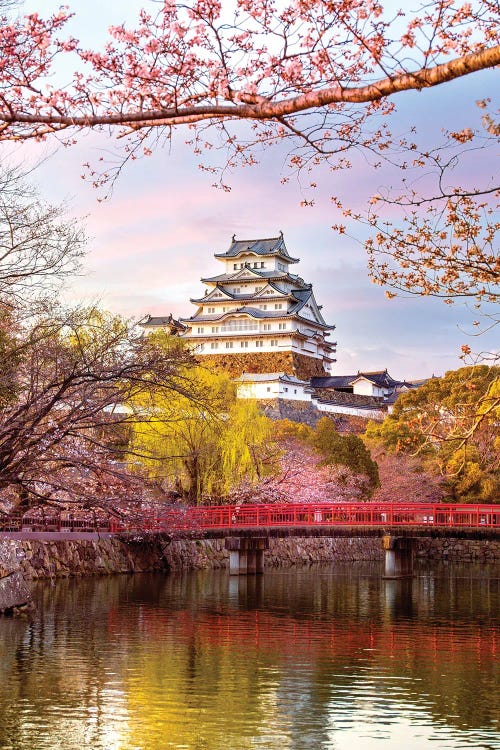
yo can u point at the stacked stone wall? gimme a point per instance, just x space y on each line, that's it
291 363
299 551
306 412
458 550
81 557
297 411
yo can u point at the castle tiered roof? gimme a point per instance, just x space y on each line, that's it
297 299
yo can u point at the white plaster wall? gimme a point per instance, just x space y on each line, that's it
258 390
293 392
365 388
377 414
273 389
250 259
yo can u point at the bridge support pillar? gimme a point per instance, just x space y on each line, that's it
246 554
398 556
259 559
238 562
251 562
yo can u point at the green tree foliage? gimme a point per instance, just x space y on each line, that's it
344 450
200 441
452 422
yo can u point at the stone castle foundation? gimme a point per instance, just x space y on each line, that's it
291 363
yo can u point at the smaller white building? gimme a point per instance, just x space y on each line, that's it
367 395
377 384
271 385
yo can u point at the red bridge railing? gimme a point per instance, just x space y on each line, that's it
223 517
341 514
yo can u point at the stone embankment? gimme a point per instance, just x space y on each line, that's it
64 558
22 560
14 591
297 550
458 550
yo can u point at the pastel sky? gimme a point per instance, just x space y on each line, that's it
155 237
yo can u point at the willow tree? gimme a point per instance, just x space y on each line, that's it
200 441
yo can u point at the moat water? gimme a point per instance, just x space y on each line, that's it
301 659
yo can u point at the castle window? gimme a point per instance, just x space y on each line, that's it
263 307
255 265
215 329
262 265
239 325
244 344
268 388
266 326
214 345
274 342
210 310
278 306
282 326
237 289
286 390
200 330
259 344
229 344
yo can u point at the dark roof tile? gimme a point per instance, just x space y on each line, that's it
266 246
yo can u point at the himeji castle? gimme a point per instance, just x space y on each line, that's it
256 316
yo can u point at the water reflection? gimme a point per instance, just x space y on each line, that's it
300 659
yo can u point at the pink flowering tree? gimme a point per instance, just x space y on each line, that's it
323 78
301 478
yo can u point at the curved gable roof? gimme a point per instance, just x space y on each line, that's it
303 296
265 246
218 291
380 378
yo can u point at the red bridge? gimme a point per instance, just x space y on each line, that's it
298 515
223 520
247 528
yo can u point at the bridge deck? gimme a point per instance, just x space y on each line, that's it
297 519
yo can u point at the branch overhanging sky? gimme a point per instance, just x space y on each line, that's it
155 237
